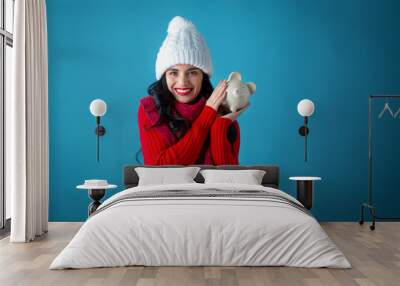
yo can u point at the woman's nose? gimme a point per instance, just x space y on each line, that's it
182 79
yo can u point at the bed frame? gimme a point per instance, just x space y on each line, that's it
270 179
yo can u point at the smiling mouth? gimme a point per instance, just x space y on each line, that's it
183 91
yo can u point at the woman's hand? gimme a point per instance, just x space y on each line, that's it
234 115
218 96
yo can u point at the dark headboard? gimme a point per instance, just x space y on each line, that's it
271 177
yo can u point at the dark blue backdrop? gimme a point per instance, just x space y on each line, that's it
335 53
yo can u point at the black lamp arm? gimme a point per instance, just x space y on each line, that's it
100 131
303 131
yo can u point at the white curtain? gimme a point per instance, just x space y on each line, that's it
27 132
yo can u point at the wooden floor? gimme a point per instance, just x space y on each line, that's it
374 255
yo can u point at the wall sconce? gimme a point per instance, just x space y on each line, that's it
98 108
305 108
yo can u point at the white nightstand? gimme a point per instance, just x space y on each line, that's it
96 190
305 189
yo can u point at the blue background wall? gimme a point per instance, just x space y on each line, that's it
333 52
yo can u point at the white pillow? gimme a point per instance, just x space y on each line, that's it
166 175
248 177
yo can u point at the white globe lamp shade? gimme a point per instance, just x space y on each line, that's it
305 107
98 107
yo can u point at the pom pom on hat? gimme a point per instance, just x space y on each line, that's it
179 23
183 45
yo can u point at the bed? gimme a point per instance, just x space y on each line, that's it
201 224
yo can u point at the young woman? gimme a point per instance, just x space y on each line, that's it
182 121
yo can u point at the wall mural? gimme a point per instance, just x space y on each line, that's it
292 50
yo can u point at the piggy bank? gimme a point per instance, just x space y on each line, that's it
238 92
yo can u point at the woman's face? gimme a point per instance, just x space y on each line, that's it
184 82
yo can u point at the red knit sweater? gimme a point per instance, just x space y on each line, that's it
187 150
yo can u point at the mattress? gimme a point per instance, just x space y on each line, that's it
201 225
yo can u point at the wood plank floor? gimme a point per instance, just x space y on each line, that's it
375 257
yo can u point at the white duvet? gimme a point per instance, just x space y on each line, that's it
200 231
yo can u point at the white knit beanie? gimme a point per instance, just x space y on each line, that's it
183 45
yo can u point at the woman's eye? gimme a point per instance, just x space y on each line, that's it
173 73
194 73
